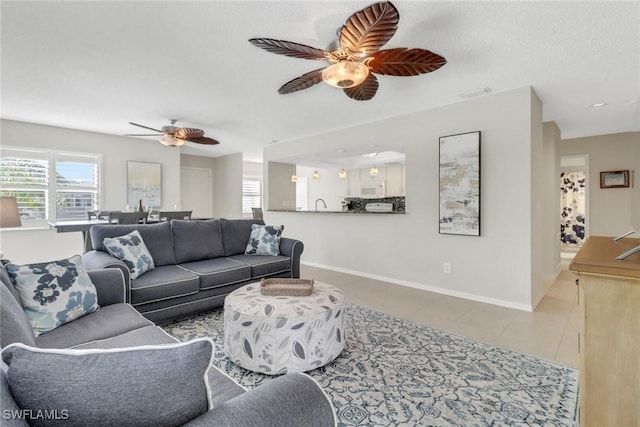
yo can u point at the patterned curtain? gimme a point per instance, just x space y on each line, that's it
572 207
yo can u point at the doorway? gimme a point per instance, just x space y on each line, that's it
196 191
574 206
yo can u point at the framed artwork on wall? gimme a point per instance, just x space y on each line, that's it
460 184
144 182
615 179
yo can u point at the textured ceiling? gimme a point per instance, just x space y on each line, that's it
98 65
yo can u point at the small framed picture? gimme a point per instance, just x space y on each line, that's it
614 179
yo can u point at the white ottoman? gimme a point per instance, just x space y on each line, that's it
283 334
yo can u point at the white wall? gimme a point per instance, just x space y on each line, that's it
609 209
228 186
499 266
44 244
551 183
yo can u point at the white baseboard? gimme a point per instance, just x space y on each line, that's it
424 287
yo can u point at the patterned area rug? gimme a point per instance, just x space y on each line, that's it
394 372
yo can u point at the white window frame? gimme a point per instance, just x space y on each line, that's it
52 188
246 207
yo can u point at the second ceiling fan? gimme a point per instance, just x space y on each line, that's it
176 136
356 55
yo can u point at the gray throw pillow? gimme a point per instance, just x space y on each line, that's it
131 250
54 293
154 385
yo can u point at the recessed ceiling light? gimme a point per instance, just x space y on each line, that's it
598 104
342 151
475 92
370 155
373 145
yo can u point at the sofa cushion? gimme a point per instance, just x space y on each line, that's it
54 293
169 281
131 250
264 265
163 385
264 240
196 240
157 237
218 272
141 336
235 234
109 321
15 325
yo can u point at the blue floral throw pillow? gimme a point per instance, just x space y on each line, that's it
54 293
131 250
264 240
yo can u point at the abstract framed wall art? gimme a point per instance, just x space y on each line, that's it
144 182
460 184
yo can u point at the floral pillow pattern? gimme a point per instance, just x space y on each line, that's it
264 240
54 293
131 250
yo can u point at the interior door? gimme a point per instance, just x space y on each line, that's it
196 191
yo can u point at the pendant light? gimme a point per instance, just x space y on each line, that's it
373 172
294 178
316 175
342 174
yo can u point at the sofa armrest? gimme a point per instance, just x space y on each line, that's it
98 260
293 249
290 400
110 286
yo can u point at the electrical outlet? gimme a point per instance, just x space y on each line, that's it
446 268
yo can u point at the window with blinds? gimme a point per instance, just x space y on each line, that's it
251 195
50 185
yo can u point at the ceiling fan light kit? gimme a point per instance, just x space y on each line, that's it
345 74
356 55
170 141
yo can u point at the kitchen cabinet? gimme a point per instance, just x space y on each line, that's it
609 340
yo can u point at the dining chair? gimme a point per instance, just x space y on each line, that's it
169 215
257 213
127 217
91 215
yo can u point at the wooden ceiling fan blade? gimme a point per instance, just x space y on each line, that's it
365 90
186 133
405 62
145 127
305 81
369 29
283 47
203 140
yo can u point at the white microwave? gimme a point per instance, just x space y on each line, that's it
372 191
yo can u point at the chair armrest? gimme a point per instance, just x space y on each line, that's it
98 260
293 249
291 400
110 286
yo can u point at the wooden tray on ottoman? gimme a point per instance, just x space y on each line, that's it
286 287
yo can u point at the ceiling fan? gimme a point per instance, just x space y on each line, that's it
356 55
176 136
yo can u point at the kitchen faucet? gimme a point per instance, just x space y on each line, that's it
320 200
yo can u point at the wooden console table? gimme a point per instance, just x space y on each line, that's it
609 340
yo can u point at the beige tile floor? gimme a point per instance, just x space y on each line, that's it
550 332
